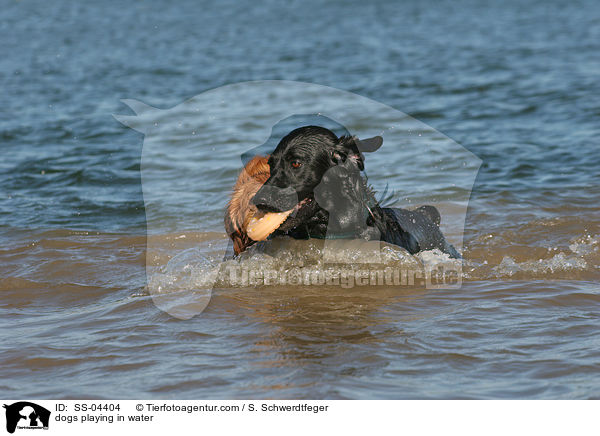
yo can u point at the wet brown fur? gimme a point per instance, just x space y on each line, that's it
239 210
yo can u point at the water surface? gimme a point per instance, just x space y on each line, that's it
516 84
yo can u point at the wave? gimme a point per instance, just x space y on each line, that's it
288 263
92 264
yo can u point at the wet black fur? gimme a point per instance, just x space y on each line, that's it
311 164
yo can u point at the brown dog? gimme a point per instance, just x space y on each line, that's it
239 210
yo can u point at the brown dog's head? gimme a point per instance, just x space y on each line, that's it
239 210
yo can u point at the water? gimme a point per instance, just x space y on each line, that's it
516 84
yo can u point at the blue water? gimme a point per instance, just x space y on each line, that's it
517 84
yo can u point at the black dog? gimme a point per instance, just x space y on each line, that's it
318 174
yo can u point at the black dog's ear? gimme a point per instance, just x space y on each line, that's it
338 155
353 147
345 149
350 147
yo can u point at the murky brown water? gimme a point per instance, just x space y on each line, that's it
518 327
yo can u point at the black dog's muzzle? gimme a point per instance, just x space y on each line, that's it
270 198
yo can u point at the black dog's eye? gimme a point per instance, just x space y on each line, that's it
296 164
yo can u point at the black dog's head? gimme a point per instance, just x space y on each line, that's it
298 165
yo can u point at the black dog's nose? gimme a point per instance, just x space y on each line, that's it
273 199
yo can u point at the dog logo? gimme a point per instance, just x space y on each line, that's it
190 149
26 415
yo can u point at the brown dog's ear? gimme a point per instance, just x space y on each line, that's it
241 241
